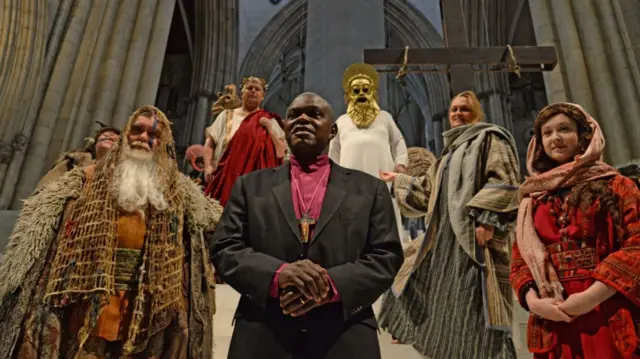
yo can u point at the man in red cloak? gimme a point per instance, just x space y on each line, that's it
242 140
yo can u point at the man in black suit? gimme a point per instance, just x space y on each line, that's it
310 246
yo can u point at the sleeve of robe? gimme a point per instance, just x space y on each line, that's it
496 204
398 145
520 276
621 269
412 193
216 130
275 126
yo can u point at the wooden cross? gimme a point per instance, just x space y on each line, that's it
458 58
305 226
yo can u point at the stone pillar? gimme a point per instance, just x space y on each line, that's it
598 65
157 45
86 104
134 63
67 121
337 33
215 62
438 129
23 40
95 53
486 29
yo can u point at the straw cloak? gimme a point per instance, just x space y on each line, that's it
29 321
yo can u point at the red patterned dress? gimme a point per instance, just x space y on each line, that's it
584 247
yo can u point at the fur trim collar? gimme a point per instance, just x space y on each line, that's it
36 227
203 213
39 219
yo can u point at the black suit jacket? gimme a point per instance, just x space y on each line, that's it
355 239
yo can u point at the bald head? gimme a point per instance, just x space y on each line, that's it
312 99
309 125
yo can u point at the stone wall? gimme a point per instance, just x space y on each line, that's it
7 219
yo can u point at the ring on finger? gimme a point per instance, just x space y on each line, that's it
302 301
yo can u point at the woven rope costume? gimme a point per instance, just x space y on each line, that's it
84 266
42 280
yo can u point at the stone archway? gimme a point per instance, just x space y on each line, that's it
265 51
270 53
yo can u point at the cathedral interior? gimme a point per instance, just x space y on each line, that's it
66 64
72 63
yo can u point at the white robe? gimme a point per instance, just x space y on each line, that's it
378 147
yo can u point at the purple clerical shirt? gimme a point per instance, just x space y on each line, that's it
308 181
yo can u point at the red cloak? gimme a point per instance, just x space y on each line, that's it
251 148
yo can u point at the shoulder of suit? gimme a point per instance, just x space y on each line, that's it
357 175
261 173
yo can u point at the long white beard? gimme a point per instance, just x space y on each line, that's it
135 183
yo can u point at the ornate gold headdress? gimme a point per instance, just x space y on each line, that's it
227 100
262 81
360 70
361 98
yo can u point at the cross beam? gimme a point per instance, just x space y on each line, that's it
529 58
456 59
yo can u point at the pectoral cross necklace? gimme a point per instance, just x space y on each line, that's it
305 222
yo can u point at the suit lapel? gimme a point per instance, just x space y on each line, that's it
333 197
282 192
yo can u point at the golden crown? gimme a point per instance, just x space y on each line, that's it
262 81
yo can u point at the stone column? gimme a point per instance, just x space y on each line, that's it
96 50
150 73
134 62
438 129
67 119
215 62
486 29
337 33
23 40
598 65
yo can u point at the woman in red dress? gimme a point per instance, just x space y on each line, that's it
576 260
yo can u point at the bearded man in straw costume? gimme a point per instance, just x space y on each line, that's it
109 261
368 138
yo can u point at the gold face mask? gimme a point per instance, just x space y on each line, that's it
362 105
360 82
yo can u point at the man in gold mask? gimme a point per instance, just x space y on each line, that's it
368 138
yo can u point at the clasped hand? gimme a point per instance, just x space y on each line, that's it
560 311
306 286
